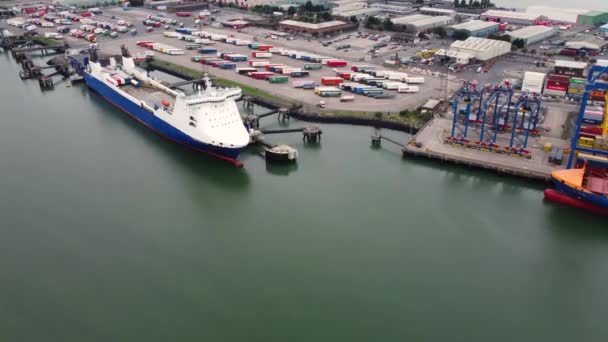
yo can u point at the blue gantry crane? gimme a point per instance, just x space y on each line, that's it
494 113
465 106
525 120
594 82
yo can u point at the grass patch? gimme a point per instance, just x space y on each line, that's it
46 41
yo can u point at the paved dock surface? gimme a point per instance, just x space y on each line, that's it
431 138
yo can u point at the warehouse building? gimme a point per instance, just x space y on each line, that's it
569 68
593 18
532 34
421 22
475 28
437 11
587 44
519 18
452 56
482 49
533 82
358 13
561 15
349 7
302 27
604 30
399 10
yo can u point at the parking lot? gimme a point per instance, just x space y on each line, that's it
430 89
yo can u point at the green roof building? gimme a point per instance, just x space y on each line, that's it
593 18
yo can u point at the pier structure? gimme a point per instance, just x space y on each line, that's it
310 134
377 139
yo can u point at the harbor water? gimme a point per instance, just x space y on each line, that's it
110 233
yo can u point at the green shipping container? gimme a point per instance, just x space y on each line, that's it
278 79
312 66
574 80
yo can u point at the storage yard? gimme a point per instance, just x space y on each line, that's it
292 67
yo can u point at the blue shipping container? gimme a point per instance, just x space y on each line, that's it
207 50
228 66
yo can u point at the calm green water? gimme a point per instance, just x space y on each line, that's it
109 233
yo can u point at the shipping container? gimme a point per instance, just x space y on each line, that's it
258 54
245 71
408 89
331 80
335 63
228 66
414 80
302 83
299 74
278 79
267 67
328 91
258 63
313 66
207 50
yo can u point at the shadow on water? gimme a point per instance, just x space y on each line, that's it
569 222
197 163
281 169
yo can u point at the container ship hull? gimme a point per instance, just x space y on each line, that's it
156 124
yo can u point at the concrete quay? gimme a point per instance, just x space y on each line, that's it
429 143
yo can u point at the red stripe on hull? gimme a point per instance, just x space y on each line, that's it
558 197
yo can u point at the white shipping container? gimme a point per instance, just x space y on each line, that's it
391 85
30 28
414 80
259 63
47 24
408 89
263 55
287 71
174 52
274 50
170 34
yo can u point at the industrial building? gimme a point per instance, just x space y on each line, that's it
235 24
437 11
452 56
302 27
351 6
587 44
518 18
569 68
604 30
421 22
593 18
532 34
533 82
475 28
359 13
399 10
482 49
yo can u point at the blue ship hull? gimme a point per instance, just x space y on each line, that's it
593 199
156 124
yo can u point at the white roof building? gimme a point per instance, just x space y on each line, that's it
532 34
481 48
420 22
476 28
570 64
393 9
438 11
533 82
512 17
357 12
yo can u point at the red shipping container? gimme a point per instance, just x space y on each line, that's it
336 63
264 47
344 75
331 80
557 86
558 78
85 14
